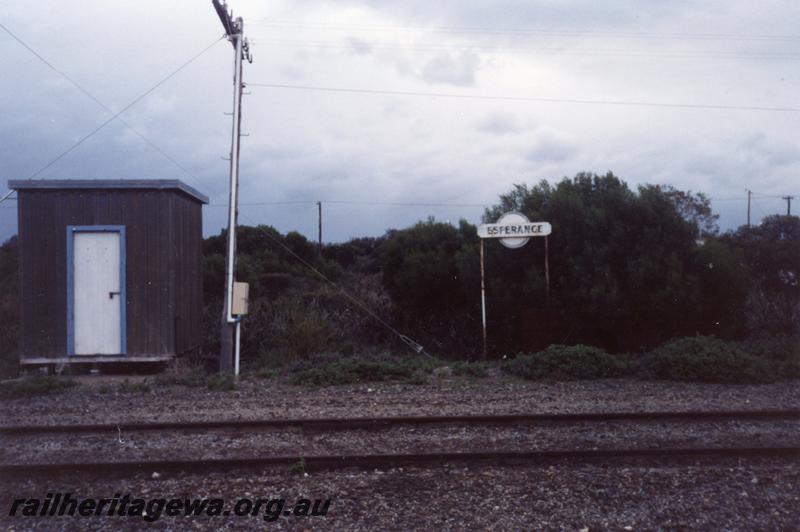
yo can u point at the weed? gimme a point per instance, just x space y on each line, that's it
299 467
182 375
32 386
470 369
127 386
222 382
266 373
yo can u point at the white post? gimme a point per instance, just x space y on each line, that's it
236 344
483 302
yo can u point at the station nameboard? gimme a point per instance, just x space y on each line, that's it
514 230
507 230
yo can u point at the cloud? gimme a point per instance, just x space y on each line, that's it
359 46
451 69
309 145
499 124
550 147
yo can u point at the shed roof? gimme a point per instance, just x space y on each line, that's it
105 184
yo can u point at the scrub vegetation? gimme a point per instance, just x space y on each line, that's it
351 370
561 362
34 385
631 270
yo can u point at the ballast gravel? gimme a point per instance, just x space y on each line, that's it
720 494
104 401
726 495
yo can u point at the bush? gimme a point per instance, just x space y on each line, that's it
561 362
127 386
703 359
222 382
181 374
781 352
36 385
470 369
350 370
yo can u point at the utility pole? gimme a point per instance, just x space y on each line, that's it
234 29
788 204
749 194
319 214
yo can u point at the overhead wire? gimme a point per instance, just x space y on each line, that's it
552 50
541 99
128 106
529 31
408 341
405 339
96 100
353 202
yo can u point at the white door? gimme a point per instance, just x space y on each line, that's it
96 293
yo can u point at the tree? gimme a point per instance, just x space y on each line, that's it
695 208
771 253
431 272
623 263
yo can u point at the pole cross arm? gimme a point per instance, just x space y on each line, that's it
225 17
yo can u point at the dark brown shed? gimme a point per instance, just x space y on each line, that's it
110 270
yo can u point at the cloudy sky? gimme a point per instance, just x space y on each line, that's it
530 69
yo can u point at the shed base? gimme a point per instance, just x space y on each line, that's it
84 359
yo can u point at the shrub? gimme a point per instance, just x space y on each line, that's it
36 385
470 369
561 362
182 374
703 359
221 382
350 370
187 374
781 352
127 386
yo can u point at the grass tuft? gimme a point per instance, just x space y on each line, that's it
33 386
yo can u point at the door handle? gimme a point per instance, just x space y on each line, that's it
112 294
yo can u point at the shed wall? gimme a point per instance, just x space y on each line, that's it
164 278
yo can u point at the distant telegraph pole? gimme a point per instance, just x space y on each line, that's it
788 204
234 29
749 194
319 215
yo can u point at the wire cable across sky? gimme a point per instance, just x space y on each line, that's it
116 115
541 99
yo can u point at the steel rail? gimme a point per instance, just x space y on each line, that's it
382 461
382 422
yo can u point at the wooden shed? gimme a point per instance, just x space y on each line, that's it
110 271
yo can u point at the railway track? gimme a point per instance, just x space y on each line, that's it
382 422
464 451
313 463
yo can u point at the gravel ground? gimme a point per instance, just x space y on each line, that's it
98 401
211 444
726 495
